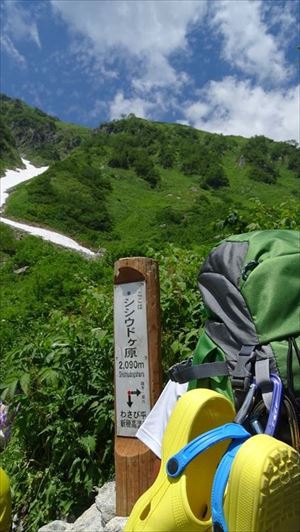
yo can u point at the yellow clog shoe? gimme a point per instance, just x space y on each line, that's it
263 491
183 504
5 502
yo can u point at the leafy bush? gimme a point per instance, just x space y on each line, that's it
43 138
263 172
204 160
9 156
145 168
62 382
119 158
215 177
260 216
294 160
167 156
70 196
259 154
59 370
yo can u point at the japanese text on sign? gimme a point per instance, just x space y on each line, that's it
131 357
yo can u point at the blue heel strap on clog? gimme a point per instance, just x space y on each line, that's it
224 467
178 462
219 486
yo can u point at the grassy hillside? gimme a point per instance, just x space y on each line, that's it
38 136
56 363
135 182
137 188
9 155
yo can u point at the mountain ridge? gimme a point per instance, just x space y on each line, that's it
132 181
38 136
135 187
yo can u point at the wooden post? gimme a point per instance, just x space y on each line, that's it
138 373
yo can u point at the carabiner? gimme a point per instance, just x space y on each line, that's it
246 407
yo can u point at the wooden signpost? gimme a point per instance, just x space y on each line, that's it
138 373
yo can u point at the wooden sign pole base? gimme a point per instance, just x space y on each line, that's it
134 464
133 460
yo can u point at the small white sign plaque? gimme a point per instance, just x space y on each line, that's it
131 357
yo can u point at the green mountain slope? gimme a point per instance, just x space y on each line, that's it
9 155
37 136
129 186
134 182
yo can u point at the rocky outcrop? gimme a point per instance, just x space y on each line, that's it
100 517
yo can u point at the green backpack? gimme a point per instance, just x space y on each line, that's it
250 286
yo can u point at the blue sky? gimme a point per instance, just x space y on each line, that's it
227 66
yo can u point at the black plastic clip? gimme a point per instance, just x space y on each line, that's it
248 268
174 372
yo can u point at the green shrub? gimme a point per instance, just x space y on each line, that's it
59 370
263 172
294 160
145 168
215 177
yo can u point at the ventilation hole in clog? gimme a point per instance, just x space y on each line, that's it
145 512
203 512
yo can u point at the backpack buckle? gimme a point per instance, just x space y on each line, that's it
174 372
241 376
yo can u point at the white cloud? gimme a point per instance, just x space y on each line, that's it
12 51
148 32
124 106
136 26
96 112
284 17
19 24
234 107
158 73
247 41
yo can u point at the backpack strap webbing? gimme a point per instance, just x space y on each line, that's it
263 380
242 375
185 371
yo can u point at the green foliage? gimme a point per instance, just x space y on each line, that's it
167 156
205 161
294 160
259 216
119 158
263 171
215 177
57 364
56 333
145 168
62 382
39 136
259 154
132 147
94 194
7 242
71 196
9 156
256 148
181 305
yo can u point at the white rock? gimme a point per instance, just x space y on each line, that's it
89 521
56 526
117 524
106 501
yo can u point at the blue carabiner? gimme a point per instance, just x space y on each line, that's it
224 467
245 409
274 410
275 405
